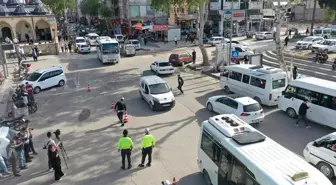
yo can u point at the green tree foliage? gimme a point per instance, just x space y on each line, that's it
105 12
331 4
58 6
90 7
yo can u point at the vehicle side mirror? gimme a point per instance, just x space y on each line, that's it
145 92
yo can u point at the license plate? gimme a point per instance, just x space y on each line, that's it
166 105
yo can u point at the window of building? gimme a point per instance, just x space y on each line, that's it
135 11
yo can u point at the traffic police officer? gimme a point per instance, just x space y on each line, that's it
125 145
147 145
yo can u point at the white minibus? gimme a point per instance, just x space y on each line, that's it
108 51
231 151
264 84
322 32
321 96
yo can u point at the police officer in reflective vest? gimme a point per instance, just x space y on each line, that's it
125 145
147 145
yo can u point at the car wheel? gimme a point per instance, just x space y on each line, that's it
61 83
326 169
151 106
32 108
210 107
37 90
227 89
291 113
206 177
257 99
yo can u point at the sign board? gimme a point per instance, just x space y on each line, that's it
234 54
214 6
239 15
227 15
256 59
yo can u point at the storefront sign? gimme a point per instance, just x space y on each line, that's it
160 27
227 15
254 17
238 15
214 6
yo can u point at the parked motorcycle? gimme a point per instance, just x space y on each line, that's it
15 124
334 65
321 58
32 106
17 95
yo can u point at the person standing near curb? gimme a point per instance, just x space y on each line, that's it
147 145
302 114
286 41
194 56
125 146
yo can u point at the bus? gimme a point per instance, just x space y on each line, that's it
322 32
321 96
231 151
108 50
264 84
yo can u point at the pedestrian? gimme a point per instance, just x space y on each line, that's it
13 156
180 83
29 89
307 31
294 72
194 56
145 41
147 145
31 144
289 32
69 45
302 114
3 166
37 51
187 38
24 137
50 142
62 48
22 53
120 108
175 40
34 54
125 146
55 161
27 37
65 47
286 40
20 152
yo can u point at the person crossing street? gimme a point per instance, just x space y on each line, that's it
302 114
147 145
125 146
180 83
120 108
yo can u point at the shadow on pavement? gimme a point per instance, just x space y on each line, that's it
192 179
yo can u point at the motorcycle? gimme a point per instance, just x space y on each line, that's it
17 95
15 124
319 58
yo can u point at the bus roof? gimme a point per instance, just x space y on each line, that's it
108 41
255 70
270 162
316 84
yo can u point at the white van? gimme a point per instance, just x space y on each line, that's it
91 39
264 84
155 91
321 95
231 151
322 32
6 135
134 42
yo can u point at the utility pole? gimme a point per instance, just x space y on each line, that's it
313 19
231 33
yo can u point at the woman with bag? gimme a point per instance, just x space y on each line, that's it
55 161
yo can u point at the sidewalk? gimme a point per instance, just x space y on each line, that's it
6 90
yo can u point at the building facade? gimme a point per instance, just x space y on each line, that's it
24 21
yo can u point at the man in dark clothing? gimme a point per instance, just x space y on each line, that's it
286 40
294 72
180 83
69 46
120 108
194 56
289 32
302 114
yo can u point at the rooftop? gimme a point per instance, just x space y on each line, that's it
14 7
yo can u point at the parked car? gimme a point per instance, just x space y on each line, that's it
321 153
46 78
91 39
180 59
243 51
238 43
264 35
79 40
162 67
328 45
308 42
83 48
217 40
246 108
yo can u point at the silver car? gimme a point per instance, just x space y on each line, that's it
264 35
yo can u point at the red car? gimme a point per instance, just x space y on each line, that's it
180 59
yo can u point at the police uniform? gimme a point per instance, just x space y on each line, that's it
125 144
147 144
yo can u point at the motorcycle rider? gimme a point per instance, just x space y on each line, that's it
120 108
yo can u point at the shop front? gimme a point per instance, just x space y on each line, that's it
238 19
159 32
119 26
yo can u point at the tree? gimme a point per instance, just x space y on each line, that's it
90 7
331 4
105 13
201 6
58 6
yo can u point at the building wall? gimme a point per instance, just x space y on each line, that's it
306 15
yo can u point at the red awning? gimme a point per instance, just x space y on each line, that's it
138 26
160 28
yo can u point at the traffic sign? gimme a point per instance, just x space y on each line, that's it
227 15
234 54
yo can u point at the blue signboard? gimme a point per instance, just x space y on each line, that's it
235 54
227 15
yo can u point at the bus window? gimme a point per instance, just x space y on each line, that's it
225 166
276 84
257 82
211 148
238 172
328 102
304 94
246 79
290 92
236 76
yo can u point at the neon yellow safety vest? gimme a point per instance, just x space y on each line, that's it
125 143
147 141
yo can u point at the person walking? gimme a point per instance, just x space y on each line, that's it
302 114
147 145
69 46
13 156
120 108
125 146
307 31
55 161
180 83
30 143
22 53
289 33
24 137
194 56
286 41
34 54
175 40
50 142
29 89
294 72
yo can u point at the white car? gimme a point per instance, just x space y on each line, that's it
91 39
217 40
243 51
79 40
155 91
322 154
162 67
245 108
135 42
328 45
83 48
238 43
308 42
103 38
46 78
264 35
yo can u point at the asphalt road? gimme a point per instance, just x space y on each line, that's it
90 129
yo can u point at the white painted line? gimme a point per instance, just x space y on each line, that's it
300 59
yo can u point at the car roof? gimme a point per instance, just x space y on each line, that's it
93 34
80 38
246 100
133 40
152 79
53 68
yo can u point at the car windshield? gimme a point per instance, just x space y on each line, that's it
164 64
111 48
80 40
84 46
307 39
34 76
211 39
276 84
252 108
135 42
92 37
120 37
317 31
159 88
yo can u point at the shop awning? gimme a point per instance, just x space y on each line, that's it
159 28
138 26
